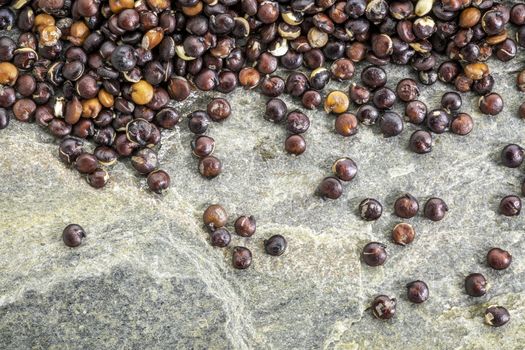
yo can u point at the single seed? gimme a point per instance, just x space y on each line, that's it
496 316
215 217
368 114
345 169
198 122
384 98
374 77
86 163
415 112
370 209
406 206
417 292
346 124
462 124
476 71
435 209
510 205
70 148
407 90
210 167
438 121
275 245
245 226
391 124
359 94
330 188
491 104
383 307
512 156
475 285
241 258
297 122
202 146
106 155
336 102
403 234
499 259
98 178
220 237
158 181
421 142
145 161
295 144
276 110
219 109
73 235
374 254
311 99
451 101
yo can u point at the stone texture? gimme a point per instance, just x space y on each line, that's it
147 277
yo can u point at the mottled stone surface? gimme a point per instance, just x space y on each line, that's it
147 278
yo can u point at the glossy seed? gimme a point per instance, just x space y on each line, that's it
475 285
417 292
403 234
220 238
241 258
245 226
406 206
510 205
374 254
435 209
499 259
73 235
496 316
384 307
275 245
370 209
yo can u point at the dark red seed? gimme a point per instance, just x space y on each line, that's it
510 205
330 188
374 254
384 307
499 259
275 245
406 206
475 285
220 238
512 156
241 258
496 316
417 292
435 209
73 235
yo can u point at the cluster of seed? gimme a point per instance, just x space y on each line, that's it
374 254
438 120
512 156
406 207
215 219
217 110
344 169
296 122
105 71
476 285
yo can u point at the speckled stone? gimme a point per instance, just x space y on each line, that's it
146 276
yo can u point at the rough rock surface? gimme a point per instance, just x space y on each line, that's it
146 277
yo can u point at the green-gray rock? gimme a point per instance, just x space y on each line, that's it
146 276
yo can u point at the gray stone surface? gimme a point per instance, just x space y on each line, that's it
147 278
